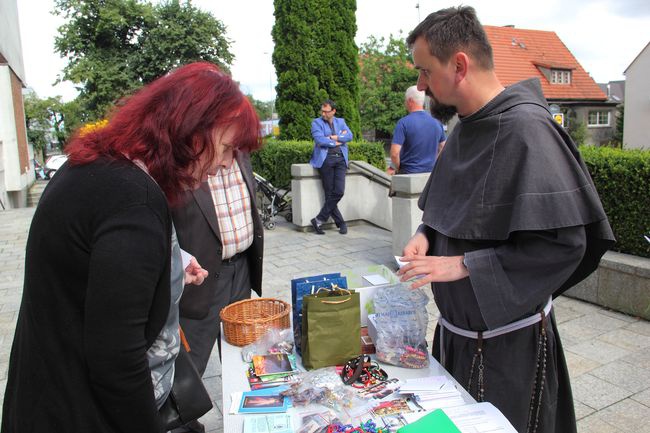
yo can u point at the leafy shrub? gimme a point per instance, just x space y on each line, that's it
273 161
622 179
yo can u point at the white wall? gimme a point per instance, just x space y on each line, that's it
636 129
366 198
10 46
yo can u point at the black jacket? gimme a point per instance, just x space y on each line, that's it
96 296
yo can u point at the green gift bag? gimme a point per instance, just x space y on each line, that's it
331 328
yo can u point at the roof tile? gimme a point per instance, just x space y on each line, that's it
518 51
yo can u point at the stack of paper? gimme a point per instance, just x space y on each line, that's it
433 392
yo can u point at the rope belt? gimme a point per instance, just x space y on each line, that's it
477 359
510 327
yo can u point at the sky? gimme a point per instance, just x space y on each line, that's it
605 36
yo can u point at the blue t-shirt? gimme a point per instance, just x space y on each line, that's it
419 135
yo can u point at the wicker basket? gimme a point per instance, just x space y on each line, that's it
246 321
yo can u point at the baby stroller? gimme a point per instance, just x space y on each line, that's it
271 201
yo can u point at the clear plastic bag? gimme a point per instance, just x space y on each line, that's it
322 386
273 341
401 321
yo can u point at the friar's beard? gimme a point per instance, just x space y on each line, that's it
440 111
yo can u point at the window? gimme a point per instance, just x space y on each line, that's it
560 76
598 118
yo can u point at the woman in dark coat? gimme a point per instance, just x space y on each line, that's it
97 295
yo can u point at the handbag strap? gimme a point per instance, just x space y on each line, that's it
184 341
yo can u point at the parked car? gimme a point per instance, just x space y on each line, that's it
41 172
54 162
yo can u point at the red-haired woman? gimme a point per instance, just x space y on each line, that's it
97 332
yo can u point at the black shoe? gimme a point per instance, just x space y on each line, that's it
343 228
317 227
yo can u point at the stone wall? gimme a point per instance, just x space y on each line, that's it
621 282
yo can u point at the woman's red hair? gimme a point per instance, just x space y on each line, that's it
169 124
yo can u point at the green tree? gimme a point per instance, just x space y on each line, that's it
180 34
386 73
264 109
618 135
47 122
37 122
115 46
50 121
315 58
578 132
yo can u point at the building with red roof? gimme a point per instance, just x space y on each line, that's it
573 95
636 134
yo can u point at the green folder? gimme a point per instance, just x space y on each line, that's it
437 421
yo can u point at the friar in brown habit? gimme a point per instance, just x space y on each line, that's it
511 220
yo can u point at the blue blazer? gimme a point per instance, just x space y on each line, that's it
321 131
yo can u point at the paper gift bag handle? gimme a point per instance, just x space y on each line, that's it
337 288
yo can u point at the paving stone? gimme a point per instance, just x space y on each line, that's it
577 331
626 339
579 365
212 420
600 322
577 305
628 415
597 393
640 327
642 397
624 375
620 316
594 424
564 314
640 358
598 351
582 410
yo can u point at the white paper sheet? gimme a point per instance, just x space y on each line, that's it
375 279
185 258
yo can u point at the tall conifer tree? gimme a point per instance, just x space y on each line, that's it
315 58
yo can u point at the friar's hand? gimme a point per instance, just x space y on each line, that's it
428 269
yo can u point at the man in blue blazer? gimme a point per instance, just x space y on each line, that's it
330 157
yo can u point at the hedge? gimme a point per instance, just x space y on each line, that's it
621 176
622 179
273 161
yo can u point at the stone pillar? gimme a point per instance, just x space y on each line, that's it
406 214
365 198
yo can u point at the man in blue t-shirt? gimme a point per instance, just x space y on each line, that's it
418 138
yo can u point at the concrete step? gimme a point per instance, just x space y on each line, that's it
34 194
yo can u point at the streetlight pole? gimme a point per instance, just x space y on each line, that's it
417 6
271 87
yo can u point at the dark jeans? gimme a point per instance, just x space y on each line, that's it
332 174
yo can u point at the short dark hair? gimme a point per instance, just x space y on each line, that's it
329 102
454 29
